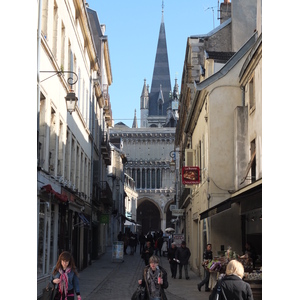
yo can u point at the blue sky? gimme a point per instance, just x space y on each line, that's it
132 28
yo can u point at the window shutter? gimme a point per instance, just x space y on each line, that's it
189 158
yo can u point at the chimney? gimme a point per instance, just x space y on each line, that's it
225 11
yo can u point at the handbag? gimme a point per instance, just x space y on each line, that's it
49 293
139 294
219 290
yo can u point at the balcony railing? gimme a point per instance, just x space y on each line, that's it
102 194
105 148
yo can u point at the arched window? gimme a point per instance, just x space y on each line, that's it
148 178
138 175
158 185
153 179
143 179
160 107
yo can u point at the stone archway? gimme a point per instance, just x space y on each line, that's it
148 216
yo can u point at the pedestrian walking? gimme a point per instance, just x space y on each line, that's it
65 277
172 257
155 280
147 253
207 257
142 241
159 245
131 243
232 285
183 255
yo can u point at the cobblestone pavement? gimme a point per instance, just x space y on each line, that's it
106 279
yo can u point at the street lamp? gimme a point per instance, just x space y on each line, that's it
173 169
71 99
173 162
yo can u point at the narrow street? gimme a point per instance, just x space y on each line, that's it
106 279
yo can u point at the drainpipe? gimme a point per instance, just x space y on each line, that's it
92 165
38 110
38 77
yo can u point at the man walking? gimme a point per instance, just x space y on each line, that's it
172 257
207 257
183 255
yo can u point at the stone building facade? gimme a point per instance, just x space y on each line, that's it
217 127
73 148
148 163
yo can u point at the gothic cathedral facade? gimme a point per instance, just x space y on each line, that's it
148 148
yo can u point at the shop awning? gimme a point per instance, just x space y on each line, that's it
48 189
128 223
127 219
216 209
249 197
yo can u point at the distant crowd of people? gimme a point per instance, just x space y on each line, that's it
154 278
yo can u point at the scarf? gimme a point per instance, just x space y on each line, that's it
63 285
152 278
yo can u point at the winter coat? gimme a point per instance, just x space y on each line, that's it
147 253
183 255
234 289
207 255
162 287
172 253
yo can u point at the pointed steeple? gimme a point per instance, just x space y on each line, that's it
134 124
144 96
176 90
161 72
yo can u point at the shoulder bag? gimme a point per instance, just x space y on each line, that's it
219 291
49 292
139 294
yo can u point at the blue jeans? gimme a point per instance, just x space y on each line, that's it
206 279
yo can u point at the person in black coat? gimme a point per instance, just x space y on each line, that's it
207 257
147 253
142 240
183 255
172 257
232 285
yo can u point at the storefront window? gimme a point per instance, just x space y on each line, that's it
45 239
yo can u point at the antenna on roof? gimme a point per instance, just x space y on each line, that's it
213 11
162 6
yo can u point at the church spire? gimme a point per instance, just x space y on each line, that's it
134 124
161 72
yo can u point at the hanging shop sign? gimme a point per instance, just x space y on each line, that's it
178 212
104 219
190 175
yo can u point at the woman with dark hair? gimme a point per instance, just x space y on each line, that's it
65 277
